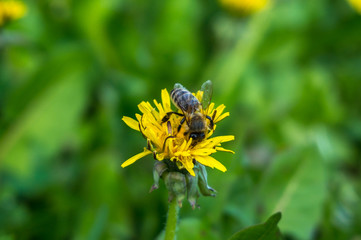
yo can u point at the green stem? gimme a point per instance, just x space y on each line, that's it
171 225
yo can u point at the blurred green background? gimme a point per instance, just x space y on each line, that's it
289 75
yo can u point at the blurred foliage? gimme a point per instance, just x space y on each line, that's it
289 75
267 230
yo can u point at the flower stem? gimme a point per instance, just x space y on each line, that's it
171 225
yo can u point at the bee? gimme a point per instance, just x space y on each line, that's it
191 109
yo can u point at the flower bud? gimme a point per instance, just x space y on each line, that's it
180 183
176 185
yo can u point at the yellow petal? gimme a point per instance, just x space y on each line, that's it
135 158
210 109
171 147
220 118
160 108
224 150
203 151
191 172
131 123
219 110
211 142
139 117
166 100
156 115
183 146
143 107
211 162
150 133
221 139
148 117
188 164
199 95
188 143
148 111
160 156
210 133
183 154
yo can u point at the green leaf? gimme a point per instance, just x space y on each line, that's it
296 186
46 123
264 231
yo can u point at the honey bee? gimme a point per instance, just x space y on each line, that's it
191 108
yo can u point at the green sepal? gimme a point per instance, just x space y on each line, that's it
203 184
192 187
158 170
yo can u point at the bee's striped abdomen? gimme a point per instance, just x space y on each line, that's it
184 100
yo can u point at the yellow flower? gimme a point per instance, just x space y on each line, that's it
165 142
11 10
244 6
356 4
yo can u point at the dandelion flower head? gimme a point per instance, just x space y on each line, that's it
164 140
11 10
244 6
356 4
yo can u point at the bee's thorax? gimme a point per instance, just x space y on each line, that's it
197 122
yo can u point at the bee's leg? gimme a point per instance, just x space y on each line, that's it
168 114
214 115
180 124
166 141
211 124
169 128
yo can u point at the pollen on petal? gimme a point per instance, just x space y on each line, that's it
135 158
131 123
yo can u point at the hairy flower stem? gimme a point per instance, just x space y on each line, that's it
171 225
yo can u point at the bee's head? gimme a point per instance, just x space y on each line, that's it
197 136
197 127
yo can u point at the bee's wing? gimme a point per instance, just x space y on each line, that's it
178 85
207 89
